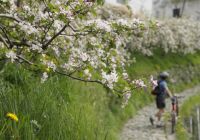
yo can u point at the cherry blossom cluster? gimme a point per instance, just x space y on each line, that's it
59 37
172 35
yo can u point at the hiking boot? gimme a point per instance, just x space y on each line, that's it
159 124
151 120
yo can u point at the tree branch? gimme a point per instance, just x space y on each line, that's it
90 81
25 60
3 40
3 30
17 43
73 29
77 34
79 79
9 17
45 32
44 47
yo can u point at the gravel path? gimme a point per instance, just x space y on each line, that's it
139 127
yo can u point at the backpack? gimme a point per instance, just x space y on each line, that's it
156 90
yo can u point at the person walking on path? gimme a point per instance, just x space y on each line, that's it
162 93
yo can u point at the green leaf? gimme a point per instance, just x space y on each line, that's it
100 2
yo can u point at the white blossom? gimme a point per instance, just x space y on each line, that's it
139 83
58 25
125 75
84 56
50 64
44 77
123 22
153 82
87 73
56 50
36 124
126 97
36 48
27 28
27 8
12 55
109 79
1 45
100 24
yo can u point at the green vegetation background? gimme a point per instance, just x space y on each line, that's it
63 109
188 109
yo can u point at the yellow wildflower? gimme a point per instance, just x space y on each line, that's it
12 116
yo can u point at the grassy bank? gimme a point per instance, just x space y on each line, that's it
65 109
186 111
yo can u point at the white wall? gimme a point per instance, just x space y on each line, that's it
141 6
111 1
164 9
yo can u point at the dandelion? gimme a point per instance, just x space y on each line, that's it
12 116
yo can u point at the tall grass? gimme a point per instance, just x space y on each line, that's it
59 109
187 110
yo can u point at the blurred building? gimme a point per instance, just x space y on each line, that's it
137 6
163 8
185 8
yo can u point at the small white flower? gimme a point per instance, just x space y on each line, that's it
51 65
36 124
84 56
87 73
36 47
12 55
153 82
44 77
109 79
125 75
56 50
27 8
139 83
123 22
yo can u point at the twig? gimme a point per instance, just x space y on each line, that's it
44 47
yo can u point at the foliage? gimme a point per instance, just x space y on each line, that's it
178 1
185 112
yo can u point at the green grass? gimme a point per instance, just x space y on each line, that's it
70 110
187 109
146 65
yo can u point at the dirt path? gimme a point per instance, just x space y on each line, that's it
139 127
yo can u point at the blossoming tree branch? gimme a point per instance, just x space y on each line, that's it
64 37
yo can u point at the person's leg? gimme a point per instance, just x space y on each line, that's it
159 114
